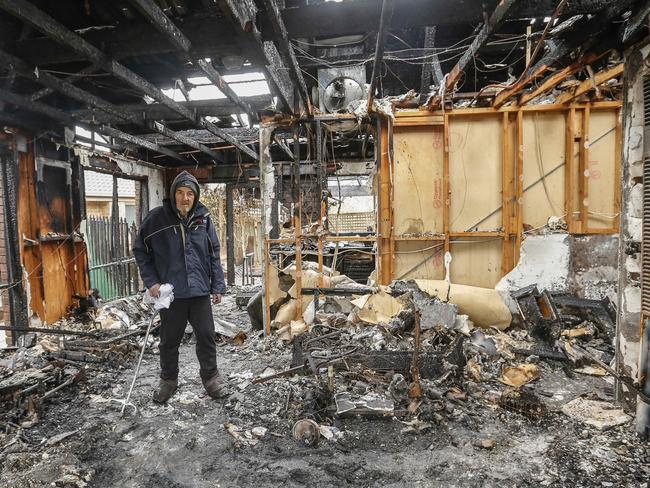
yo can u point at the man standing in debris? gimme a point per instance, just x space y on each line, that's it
177 244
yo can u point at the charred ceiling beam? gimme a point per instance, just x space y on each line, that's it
453 77
242 13
70 79
56 84
556 78
281 40
26 12
138 141
429 68
215 77
582 34
159 20
38 107
70 121
155 15
188 141
82 96
204 137
384 22
591 83
210 36
157 111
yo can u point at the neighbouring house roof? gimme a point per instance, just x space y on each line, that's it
101 185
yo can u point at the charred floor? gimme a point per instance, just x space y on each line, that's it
430 216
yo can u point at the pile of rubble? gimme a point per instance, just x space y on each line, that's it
45 363
427 351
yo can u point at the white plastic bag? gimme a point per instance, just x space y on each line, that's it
163 300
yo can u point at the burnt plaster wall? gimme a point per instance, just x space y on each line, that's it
629 256
594 266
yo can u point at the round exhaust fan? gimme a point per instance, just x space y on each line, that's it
340 92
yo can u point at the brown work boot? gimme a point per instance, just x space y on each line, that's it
166 388
216 386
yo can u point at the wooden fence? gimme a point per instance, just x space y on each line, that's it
113 270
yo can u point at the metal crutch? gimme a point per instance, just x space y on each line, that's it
137 367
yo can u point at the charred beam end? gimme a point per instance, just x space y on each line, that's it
160 21
152 146
384 21
499 14
281 39
186 140
216 78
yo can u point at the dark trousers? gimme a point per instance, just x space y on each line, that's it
198 311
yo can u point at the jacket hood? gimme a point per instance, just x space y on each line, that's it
184 179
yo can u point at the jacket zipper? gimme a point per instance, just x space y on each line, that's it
187 275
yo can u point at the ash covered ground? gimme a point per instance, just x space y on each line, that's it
467 429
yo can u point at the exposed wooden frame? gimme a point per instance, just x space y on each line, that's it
506 195
519 187
446 186
569 169
385 228
507 93
583 172
590 84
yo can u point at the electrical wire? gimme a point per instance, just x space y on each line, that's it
540 163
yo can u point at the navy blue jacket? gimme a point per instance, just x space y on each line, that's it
183 252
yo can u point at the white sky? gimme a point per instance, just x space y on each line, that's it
244 85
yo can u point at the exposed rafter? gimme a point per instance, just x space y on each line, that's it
242 13
215 77
156 111
188 141
453 77
28 13
281 40
591 83
70 79
160 21
69 120
556 78
80 95
56 84
155 15
432 67
138 141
